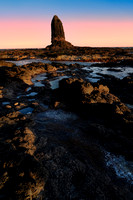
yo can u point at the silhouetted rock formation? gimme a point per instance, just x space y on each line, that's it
58 35
57 30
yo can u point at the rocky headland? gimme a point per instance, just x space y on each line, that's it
66 127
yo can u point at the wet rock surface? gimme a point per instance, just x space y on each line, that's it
62 136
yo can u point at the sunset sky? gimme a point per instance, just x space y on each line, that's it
96 23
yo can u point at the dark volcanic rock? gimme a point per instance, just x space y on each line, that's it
58 35
94 99
122 88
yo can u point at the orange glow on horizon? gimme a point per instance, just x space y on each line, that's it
37 33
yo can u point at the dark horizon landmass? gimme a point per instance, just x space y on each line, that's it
76 46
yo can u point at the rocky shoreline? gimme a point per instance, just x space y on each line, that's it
76 53
59 131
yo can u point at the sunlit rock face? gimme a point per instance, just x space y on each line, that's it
58 35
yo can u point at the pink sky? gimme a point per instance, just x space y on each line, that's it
37 33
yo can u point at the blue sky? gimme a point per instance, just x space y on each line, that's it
70 8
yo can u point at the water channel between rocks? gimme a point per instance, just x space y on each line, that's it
94 72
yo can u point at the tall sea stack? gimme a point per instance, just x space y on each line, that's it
58 36
57 31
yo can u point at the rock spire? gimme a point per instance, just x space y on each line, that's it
57 30
58 35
